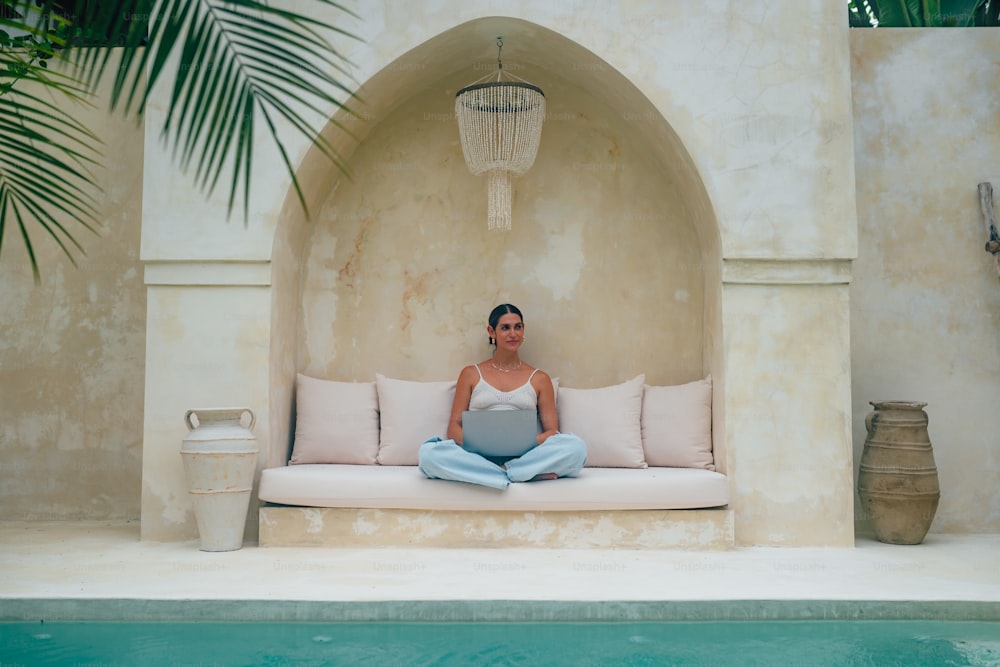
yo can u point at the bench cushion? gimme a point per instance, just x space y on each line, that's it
405 487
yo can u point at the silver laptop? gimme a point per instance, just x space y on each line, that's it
499 433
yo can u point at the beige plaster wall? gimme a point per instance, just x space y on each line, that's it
227 368
785 431
926 297
401 273
746 114
72 351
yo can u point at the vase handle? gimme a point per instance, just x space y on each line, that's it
869 420
187 420
253 418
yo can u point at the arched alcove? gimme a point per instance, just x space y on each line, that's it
614 255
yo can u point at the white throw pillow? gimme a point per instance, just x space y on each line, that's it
335 422
411 412
608 421
677 425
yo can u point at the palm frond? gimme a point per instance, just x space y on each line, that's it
236 60
46 157
267 62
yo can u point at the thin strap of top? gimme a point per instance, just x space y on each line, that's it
480 371
487 397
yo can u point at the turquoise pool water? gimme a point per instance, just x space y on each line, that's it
799 643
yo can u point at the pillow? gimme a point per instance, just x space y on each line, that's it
677 425
335 422
411 413
608 420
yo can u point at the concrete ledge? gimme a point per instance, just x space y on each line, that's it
767 271
490 611
208 272
619 529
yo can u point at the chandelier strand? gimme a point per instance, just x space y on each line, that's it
500 125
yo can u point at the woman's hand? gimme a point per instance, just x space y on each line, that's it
545 435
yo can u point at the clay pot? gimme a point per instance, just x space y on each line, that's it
898 481
220 460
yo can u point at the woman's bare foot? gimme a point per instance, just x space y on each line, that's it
544 476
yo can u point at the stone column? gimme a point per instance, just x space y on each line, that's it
788 401
207 341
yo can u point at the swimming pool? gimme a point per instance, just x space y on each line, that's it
816 642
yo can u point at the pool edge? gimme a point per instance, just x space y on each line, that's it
136 610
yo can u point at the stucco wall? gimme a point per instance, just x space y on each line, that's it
400 272
744 113
925 300
763 132
72 352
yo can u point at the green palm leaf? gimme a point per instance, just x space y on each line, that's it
46 157
239 62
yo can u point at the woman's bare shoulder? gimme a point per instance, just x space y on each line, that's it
468 373
541 376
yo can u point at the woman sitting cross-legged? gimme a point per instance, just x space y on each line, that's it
504 382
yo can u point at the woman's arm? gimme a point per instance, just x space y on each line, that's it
546 405
463 393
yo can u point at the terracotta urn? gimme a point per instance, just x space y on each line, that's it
897 480
220 460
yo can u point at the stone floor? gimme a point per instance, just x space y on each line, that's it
96 570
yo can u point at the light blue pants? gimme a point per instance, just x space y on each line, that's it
563 454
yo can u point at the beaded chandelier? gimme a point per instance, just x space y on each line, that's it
500 124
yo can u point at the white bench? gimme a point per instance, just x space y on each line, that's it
375 505
353 480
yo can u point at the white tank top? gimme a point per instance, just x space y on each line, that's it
487 397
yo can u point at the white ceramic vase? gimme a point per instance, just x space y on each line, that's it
220 459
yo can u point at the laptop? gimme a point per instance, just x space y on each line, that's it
499 433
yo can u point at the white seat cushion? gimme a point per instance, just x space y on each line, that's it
405 487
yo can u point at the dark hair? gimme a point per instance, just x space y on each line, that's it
499 312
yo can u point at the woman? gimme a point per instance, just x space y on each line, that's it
504 382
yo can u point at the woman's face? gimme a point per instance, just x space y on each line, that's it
508 333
